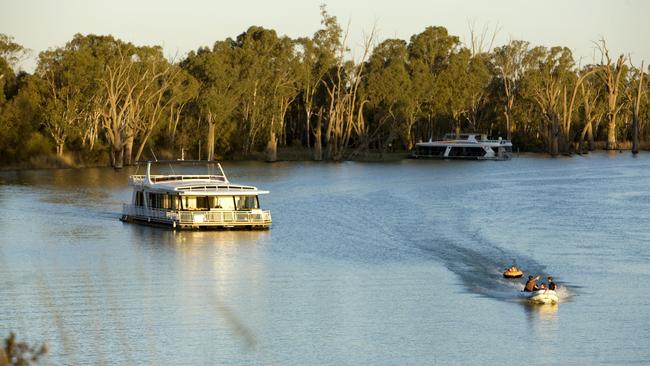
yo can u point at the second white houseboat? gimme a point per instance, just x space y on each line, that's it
193 201
464 146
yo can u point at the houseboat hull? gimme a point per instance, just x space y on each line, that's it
195 226
198 220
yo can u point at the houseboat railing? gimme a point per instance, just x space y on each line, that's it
500 142
226 217
140 179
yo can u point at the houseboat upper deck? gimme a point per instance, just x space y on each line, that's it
193 201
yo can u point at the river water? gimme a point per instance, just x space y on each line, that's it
366 263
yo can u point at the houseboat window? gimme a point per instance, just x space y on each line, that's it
246 202
195 202
202 203
159 200
431 150
227 202
166 201
189 202
221 203
139 198
467 151
213 202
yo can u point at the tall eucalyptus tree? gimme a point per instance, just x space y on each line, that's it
429 55
317 56
509 61
388 89
611 74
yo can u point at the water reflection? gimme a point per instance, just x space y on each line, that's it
541 312
219 272
543 322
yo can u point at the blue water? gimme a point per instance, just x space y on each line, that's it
366 263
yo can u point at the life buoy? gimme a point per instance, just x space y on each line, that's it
513 274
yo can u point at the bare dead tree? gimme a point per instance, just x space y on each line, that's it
568 112
610 73
90 122
119 84
318 132
155 102
592 116
635 114
483 41
346 109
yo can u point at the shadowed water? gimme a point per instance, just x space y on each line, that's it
396 263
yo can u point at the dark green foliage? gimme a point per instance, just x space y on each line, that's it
99 97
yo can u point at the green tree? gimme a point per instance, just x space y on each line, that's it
164 87
429 56
388 89
219 91
10 52
267 77
63 101
547 81
317 56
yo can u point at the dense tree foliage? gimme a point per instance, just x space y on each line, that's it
102 100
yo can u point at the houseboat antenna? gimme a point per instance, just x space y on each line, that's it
154 155
222 172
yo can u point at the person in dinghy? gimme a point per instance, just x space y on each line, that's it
551 284
531 284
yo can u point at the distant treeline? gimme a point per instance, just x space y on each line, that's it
102 100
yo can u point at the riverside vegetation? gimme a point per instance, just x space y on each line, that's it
101 100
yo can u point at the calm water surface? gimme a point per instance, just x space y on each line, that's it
383 264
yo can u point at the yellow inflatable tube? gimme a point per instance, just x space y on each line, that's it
513 274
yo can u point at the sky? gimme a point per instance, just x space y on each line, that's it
182 26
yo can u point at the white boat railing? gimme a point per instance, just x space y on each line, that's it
225 217
500 142
140 179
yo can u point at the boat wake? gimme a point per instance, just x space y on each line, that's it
479 265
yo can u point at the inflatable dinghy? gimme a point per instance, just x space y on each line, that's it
543 297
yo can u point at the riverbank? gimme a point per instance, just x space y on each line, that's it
69 161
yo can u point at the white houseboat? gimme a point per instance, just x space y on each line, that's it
190 201
464 146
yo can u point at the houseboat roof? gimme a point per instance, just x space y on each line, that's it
466 139
216 184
